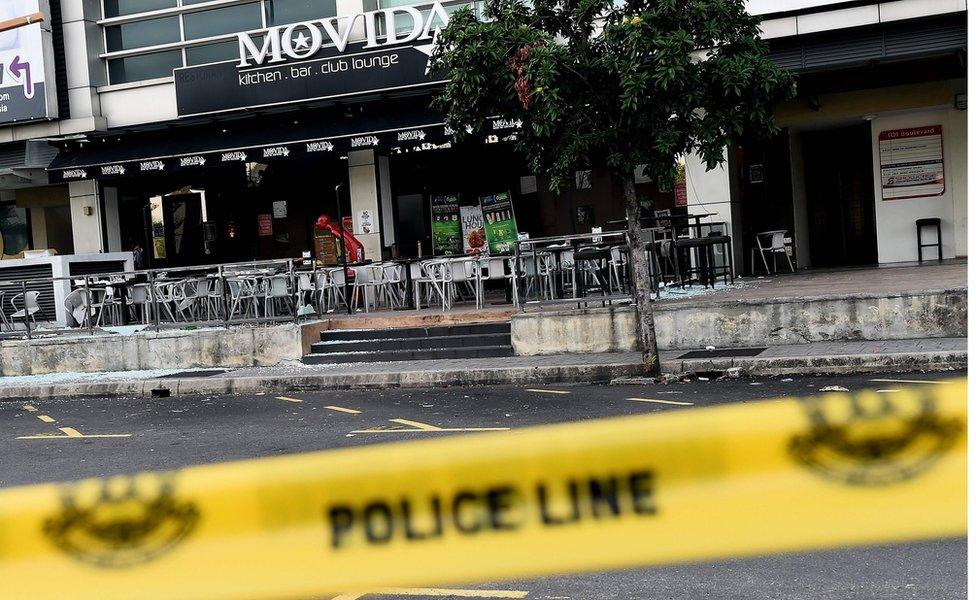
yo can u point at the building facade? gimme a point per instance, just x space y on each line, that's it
153 123
874 141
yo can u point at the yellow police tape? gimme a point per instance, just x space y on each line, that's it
688 485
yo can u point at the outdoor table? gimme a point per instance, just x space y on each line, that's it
686 218
600 254
408 299
123 296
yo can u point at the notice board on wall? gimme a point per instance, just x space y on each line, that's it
912 163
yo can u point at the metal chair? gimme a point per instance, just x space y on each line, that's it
776 246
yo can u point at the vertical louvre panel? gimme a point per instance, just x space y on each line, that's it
34 273
860 46
60 65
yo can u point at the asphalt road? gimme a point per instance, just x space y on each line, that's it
57 440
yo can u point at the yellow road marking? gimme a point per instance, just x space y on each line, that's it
45 418
442 592
887 391
345 410
546 391
30 408
929 381
656 401
417 426
287 399
71 433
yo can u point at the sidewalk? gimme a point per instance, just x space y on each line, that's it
937 354
820 357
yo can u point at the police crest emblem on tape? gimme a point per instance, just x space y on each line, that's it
121 522
874 439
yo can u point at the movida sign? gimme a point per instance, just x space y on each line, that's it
380 51
302 41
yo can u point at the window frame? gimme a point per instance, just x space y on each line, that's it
182 9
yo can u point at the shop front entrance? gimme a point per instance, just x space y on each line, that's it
838 171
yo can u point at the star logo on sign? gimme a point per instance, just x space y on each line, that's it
302 41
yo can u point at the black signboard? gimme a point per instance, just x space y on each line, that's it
398 141
221 87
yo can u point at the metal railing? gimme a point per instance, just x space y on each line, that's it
539 263
220 296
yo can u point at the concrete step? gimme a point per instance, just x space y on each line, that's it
407 355
330 335
416 343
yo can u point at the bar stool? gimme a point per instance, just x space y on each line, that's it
929 222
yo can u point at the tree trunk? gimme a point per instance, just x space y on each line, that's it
643 294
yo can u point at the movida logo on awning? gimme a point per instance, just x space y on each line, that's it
301 41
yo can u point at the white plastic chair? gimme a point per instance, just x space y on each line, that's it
435 275
305 290
618 266
79 306
138 298
465 271
367 284
393 284
776 246
335 290
30 306
277 289
166 298
242 295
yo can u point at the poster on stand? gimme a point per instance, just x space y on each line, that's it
912 164
500 228
473 230
445 216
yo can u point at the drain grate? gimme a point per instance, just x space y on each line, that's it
208 373
723 353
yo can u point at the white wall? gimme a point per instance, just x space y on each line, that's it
801 222
710 192
895 219
86 229
139 104
362 196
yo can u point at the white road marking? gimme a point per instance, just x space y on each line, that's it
928 381
657 401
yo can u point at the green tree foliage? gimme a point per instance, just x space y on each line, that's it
598 83
603 83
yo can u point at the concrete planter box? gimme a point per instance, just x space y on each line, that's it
237 347
726 324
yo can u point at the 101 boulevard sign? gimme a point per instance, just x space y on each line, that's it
316 60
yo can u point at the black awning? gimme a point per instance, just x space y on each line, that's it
408 124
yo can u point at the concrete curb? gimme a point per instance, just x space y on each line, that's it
773 366
344 381
946 360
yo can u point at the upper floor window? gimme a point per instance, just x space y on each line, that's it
140 34
118 8
281 12
218 21
147 39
